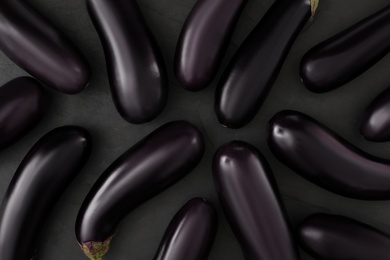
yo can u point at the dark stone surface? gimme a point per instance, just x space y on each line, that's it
140 233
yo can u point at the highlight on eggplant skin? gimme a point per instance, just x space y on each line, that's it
332 237
250 199
375 125
135 66
203 40
191 233
153 164
41 49
343 57
324 158
22 105
41 178
254 68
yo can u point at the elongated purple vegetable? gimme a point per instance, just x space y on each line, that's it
375 125
250 199
255 66
203 41
348 54
22 105
135 66
38 47
41 178
191 233
321 156
153 164
332 237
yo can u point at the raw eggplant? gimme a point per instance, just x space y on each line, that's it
375 125
203 41
255 66
347 55
135 66
22 105
150 166
38 183
321 156
250 199
332 237
38 47
191 233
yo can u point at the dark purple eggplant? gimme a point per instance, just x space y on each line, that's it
375 124
250 199
203 41
22 105
332 237
258 61
321 156
150 166
191 233
38 183
348 54
135 66
38 47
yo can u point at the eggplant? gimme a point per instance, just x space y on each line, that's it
41 49
41 178
250 199
156 162
203 41
254 68
332 237
191 233
343 57
22 105
375 125
135 66
324 158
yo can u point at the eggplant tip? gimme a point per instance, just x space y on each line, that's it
96 250
314 6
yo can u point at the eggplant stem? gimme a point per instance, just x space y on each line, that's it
96 250
314 6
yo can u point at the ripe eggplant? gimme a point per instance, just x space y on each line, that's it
332 237
255 66
38 47
347 55
203 41
250 199
135 66
22 105
375 124
321 156
191 233
38 183
150 166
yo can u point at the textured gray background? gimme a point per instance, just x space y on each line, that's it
140 233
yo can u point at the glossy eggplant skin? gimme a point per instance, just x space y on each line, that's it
250 199
332 237
191 233
38 183
348 54
153 164
135 66
38 47
22 105
321 156
253 69
203 41
375 125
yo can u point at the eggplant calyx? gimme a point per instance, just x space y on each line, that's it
314 6
96 250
